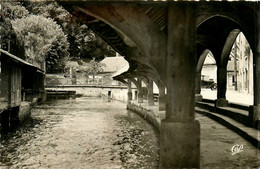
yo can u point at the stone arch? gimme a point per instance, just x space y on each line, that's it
216 32
145 80
159 83
138 69
200 63
123 81
201 60
222 65
247 51
135 82
228 46
223 28
220 16
145 35
244 21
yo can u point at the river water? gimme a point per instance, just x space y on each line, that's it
81 133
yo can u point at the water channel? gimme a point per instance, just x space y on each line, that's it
81 133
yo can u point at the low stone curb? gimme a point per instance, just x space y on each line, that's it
147 114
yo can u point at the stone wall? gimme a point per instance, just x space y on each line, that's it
149 113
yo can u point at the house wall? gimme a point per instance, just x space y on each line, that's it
209 72
4 92
244 65
10 88
12 109
33 85
15 86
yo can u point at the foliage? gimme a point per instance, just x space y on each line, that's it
6 33
14 10
84 43
91 68
90 45
95 67
43 39
51 10
11 10
49 32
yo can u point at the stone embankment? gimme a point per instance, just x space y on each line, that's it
147 112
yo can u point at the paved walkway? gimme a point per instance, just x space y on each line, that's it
231 95
217 142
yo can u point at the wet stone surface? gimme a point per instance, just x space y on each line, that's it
81 133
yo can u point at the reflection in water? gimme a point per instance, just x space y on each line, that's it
81 133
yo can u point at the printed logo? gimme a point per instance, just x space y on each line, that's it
237 149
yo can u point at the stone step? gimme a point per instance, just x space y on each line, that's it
206 105
239 106
235 112
234 105
250 134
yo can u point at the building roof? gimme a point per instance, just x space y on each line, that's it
120 71
209 60
113 64
19 60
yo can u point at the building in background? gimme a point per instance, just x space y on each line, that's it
239 72
240 66
76 73
209 71
113 64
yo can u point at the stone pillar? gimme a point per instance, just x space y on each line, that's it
140 92
180 133
198 96
162 98
150 93
221 87
129 93
254 112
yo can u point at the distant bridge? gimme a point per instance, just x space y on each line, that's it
116 92
86 86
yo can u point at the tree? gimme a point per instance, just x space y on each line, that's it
43 40
8 40
14 10
40 41
90 45
84 43
92 68
51 10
